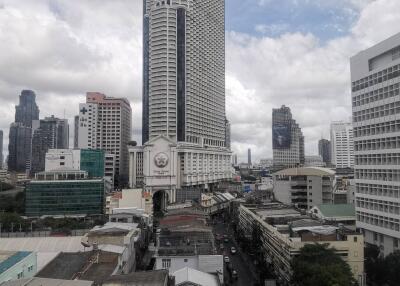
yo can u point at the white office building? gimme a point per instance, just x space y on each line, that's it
342 144
105 123
184 123
375 77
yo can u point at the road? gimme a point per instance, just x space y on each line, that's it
245 276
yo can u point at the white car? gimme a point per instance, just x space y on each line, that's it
226 259
233 250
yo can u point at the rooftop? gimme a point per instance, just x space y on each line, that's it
306 171
194 277
36 281
9 258
146 278
339 210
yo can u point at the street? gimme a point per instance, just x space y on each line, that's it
237 261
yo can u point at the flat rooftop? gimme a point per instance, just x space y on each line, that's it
9 258
145 278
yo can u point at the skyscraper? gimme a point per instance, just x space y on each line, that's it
324 150
375 83
1 150
342 145
48 133
227 134
184 71
184 131
249 157
20 135
19 147
27 110
105 123
287 139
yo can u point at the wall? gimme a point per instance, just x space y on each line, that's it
21 266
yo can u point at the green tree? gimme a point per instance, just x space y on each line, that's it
319 265
392 268
10 221
374 265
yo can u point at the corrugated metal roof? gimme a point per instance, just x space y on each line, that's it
339 210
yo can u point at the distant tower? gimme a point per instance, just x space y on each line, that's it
1 150
342 144
249 157
324 150
20 135
76 132
48 133
287 139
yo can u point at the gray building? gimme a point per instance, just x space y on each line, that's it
48 133
184 71
20 135
1 150
76 131
227 134
324 150
287 139
375 84
27 110
19 148
249 157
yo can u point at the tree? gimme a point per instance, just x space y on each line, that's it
392 268
319 265
374 265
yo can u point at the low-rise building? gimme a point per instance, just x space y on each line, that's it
17 265
36 281
304 187
283 236
64 192
129 198
334 214
145 278
188 276
185 240
216 202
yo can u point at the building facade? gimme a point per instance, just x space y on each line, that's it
184 71
1 150
48 133
105 123
287 140
227 134
19 148
342 145
76 131
375 77
324 150
304 187
20 135
16 265
249 157
60 193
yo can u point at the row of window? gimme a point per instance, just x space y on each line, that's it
381 221
377 175
378 94
378 159
376 129
378 190
378 205
376 112
377 144
376 78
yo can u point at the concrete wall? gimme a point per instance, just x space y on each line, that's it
27 266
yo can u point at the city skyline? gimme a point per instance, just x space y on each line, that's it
109 61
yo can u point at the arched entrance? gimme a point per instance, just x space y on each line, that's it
160 202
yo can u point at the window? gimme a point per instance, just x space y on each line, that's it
166 263
185 260
395 242
20 275
355 239
62 157
62 163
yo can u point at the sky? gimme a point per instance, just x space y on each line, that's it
278 52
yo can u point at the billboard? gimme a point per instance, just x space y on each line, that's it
281 138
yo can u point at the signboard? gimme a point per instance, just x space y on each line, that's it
281 138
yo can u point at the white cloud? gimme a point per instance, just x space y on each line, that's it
61 49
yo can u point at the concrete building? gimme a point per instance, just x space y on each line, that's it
375 77
249 157
48 133
60 193
314 161
342 145
76 131
17 265
19 148
27 110
304 187
283 233
287 140
183 98
36 281
324 150
227 134
129 198
144 278
1 150
105 123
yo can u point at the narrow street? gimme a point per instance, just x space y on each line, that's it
237 260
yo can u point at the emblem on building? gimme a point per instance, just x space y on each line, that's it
161 160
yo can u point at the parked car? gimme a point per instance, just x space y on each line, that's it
233 250
226 259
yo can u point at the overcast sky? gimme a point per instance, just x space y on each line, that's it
292 52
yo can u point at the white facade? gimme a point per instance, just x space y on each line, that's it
342 144
57 159
24 266
187 70
105 123
375 77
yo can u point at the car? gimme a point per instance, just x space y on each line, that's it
226 259
234 274
233 250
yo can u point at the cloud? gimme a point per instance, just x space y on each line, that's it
61 49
